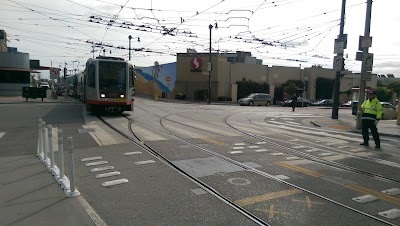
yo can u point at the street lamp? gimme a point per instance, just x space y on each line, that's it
130 37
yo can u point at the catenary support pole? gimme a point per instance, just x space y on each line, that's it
336 90
209 69
364 73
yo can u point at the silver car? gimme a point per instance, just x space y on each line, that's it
255 99
389 111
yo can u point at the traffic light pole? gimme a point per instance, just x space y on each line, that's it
335 109
209 69
364 72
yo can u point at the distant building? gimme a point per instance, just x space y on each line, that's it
15 71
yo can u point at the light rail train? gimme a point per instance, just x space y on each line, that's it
107 85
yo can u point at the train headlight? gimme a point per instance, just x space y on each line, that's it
122 95
102 95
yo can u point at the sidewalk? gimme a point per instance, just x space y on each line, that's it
30 196
385 127
21 100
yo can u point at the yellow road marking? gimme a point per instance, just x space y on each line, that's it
300 169
272 212
308 202
354 187
213 141
266 197
380 195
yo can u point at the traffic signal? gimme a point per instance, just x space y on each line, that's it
306 86
65 72
343 63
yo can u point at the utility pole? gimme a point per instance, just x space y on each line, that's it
129 37
209 67
364 71
338 63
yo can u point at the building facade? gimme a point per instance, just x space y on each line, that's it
229 69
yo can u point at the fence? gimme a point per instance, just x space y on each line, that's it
46 153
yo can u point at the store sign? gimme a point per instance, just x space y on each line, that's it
196 64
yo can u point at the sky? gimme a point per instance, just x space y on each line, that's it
296 33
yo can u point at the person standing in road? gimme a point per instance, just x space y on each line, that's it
294 102
371 114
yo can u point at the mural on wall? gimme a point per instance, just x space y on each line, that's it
163 75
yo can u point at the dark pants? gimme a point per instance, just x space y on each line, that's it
294 103
370 124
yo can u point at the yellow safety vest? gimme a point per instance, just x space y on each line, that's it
371 109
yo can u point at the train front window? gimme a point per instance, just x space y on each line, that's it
112 76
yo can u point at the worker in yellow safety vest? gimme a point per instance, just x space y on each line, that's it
371 114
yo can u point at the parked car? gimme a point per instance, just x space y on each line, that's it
301 102
346 104
389 111
45 85
324 102
255 99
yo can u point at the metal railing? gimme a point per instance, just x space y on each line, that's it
46 149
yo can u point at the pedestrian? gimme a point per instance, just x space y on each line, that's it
371 114
294 102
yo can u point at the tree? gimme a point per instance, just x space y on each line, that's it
383 94
394 87
290 88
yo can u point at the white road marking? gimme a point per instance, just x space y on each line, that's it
133 153
91 159
109 174
262 142
91 212
261 150
237 148
144 162
96 163
254 146
101 168
240 144
236 152
114 182
2 134
295 123
277 153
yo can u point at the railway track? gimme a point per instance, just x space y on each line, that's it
170 133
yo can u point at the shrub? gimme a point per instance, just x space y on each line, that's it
180 95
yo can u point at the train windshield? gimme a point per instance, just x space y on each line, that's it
112 76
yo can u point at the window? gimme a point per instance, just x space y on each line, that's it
91 76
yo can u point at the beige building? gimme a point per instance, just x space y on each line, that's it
192 77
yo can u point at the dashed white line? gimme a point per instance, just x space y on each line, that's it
114 182
236 152
109 174
133 153
96 163
144 162
91 159
101 168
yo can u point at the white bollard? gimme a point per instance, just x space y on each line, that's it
51 148
44 137
40 150
73 192
61 153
